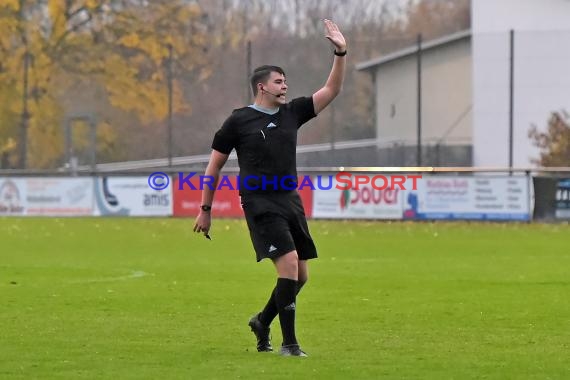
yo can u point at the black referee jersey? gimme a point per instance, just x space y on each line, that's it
265 145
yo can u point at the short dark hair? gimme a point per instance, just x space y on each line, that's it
261 74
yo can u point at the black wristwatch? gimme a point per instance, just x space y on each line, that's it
206 208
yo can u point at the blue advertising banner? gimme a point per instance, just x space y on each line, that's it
469 198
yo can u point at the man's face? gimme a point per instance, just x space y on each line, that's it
276 88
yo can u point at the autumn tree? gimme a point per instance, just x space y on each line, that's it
115 48
554 144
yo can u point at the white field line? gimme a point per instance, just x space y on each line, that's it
134 274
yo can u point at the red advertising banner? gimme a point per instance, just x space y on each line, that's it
187 200
307 197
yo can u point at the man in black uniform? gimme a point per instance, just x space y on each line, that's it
264 135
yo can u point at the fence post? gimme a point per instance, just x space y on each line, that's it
70 159
419 115
529 192
170 90
511 97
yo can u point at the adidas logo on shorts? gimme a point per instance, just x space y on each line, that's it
272 248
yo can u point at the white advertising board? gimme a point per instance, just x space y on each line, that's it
12 196
46 196
131 196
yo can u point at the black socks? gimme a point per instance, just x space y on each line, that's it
269 312
285 294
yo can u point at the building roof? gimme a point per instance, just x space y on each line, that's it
367 65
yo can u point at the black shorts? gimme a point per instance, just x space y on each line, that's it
277 225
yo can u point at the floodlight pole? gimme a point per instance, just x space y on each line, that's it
248 69
25 117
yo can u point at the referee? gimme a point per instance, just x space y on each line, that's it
264 136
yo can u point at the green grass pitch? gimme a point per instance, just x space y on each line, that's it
148 299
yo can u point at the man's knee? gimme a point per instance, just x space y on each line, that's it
288 265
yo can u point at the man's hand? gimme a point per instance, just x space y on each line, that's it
332 87
203 223
335 36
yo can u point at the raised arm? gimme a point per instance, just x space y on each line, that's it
215 165
332 87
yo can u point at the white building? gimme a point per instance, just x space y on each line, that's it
466 79
446 100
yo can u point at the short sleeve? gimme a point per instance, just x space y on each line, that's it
304 109
225 138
